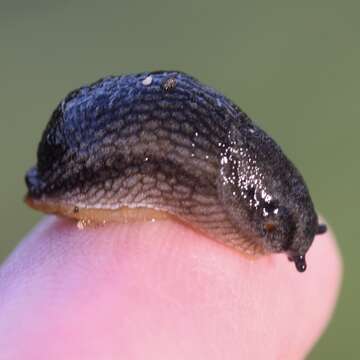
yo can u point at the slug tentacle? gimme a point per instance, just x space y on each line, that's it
164 141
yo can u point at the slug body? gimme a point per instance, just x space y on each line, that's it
165 141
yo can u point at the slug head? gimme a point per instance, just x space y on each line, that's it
265 195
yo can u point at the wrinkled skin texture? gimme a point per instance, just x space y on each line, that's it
164 140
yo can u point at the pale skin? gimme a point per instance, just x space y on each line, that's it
159 290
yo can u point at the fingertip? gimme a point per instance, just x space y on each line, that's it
159 289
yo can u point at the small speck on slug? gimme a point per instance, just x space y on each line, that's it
177 147
147 81
169 84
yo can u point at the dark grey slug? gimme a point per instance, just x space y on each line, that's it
162 140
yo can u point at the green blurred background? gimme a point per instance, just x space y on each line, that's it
293 66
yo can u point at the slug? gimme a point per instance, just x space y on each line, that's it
164 141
